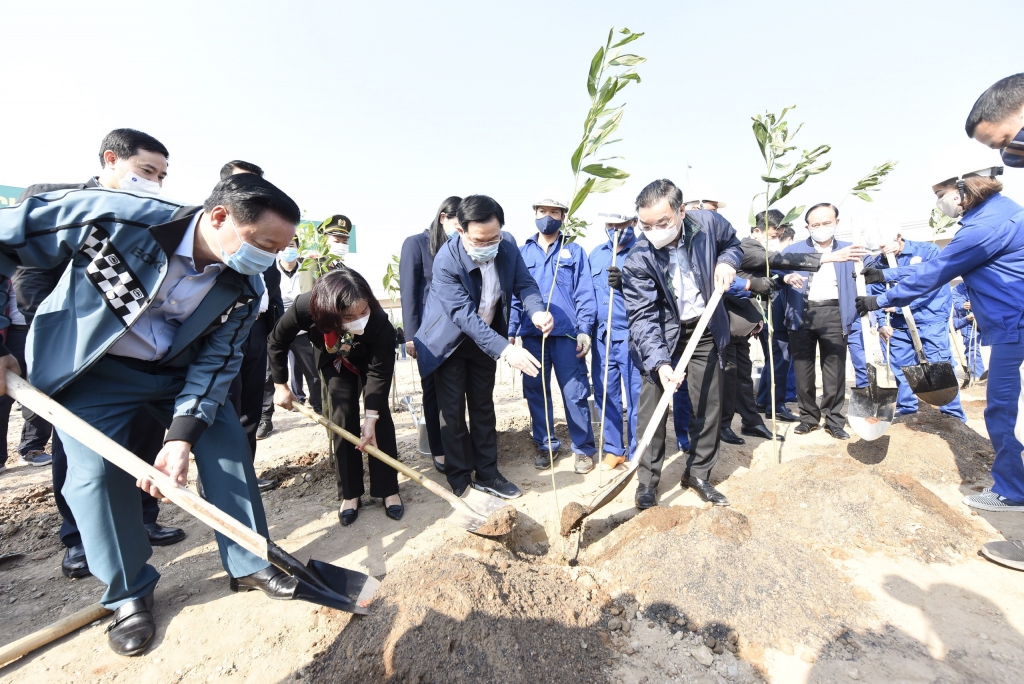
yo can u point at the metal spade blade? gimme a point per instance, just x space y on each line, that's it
872 408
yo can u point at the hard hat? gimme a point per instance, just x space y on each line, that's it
962 160
619 215
700 191
548 202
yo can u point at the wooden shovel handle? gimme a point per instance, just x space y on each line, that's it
60 417
380 455
62 627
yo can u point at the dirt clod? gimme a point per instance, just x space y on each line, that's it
499 523
572 516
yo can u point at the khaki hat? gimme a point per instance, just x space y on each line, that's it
548 202
337 224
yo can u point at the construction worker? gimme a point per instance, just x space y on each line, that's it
572 304
608 278
964 321
931 314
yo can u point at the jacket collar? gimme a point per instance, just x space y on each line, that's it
168 235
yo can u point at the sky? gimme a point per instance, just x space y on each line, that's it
381 110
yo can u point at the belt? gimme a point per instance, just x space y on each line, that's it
21 328
823 302
150 367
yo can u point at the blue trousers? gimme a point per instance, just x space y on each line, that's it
620 367
560 353
783 369
935 340
973 353
681 409
855 343
1003 394
104 498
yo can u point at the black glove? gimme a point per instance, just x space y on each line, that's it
866 304
615 278
762 286
872 276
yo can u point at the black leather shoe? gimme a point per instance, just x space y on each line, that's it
164 536
275 583
349 516
646 497
265 485
705 491
132 628
730 437
783 415
837 433
74 565
804 428
438 466
760 431
395 512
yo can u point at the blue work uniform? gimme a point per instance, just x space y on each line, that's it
574 308
858 358
783 363
968 329
620 365
988 252
931 314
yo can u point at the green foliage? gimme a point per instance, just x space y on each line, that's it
940 223
311 243
391 279
870 182
610 71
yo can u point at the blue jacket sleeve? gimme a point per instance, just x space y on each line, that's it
585 298
729 251
515 317
640 294
459 306
739 288
525 289
411 281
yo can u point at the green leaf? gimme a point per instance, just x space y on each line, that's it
628 39
595 68
761 133
628 76
793 214
769 179
863 195
602 171
581 195
627 60
608 184
576 157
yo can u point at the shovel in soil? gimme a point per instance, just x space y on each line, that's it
575 513
934 383
872 408
319 582
476 512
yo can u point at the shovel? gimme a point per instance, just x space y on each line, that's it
476 512
575 513
319 582
872 408
934 383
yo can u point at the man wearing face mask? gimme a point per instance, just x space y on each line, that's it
135 162
666 281
819 312
573 307
161 296
463 334
337 229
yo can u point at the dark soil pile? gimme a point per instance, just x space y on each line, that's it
29 523
476 614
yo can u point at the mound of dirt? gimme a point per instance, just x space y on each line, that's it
475 614
714 571
840 505
515 439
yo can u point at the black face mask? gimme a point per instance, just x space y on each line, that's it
1013 154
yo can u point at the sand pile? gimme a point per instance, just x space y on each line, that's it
475 614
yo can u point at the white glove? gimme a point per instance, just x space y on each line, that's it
517 357
582 345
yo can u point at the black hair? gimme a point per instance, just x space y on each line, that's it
437 236
126 142
775 218
1003 99
479 209
658 190
819 206
788 233
229 168
336 291
247 196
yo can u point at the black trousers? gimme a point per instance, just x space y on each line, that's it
431 416
704 379
738 385
248 387
145 440
466 379
345 388
305 367
822 331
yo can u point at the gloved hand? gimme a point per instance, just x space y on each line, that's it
872 276
866 304
615 278
762 286
582 345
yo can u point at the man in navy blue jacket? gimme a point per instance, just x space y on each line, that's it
464 333
668 277
819 314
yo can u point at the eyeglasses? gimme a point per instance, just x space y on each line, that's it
474 243
823 224
660 225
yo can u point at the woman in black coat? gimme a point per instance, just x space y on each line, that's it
354 347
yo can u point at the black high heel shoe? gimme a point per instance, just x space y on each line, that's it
349 516
395 512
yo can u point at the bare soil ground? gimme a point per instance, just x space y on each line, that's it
849 561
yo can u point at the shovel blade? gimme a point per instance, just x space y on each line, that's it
872 408
482 503
934 383
325 584
615 488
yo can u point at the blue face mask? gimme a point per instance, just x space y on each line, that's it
625 236
247 259
548 225
290 254
481 255
1013 154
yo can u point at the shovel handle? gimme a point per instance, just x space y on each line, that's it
909 317
62 627
86 434
380 455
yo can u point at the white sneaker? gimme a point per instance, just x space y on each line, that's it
990 501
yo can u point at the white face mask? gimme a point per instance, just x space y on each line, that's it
133 182
823 234
949 204
659 237
357 326
338 249
773 245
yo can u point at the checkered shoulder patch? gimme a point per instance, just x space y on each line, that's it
108 271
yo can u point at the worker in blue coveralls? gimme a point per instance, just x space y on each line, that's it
963 320
930 312
574 309
608 278
858 359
